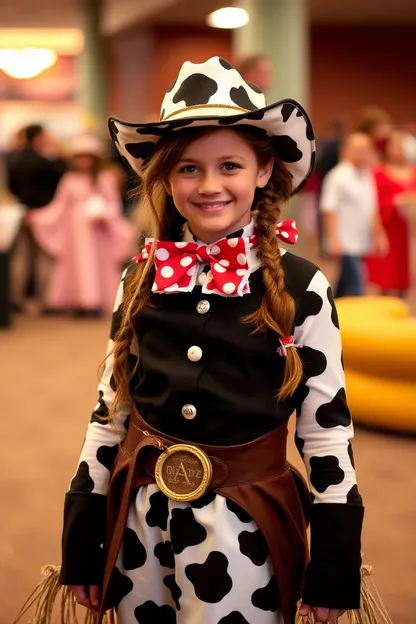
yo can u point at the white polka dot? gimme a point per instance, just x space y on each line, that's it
241 272
201 278
279 224
145 255
167 272
162 254
225 262
233 242
219 268
155 287
241 258
215 249
284 234
190 271
180 245
296 238
228 288
186 261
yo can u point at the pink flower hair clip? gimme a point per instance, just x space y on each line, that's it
285 343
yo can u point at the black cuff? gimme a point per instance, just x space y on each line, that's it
333 574
82 539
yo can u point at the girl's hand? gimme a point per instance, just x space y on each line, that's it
322 615
87 595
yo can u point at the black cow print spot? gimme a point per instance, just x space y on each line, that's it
211 580
225 64
335 412
314 361
311 306
106 455
287 149
205 500
254 546
325 471
196 89
157 516
134 553
300 443
351 454
152 131
334 313
310 135
119 588
298 113
301 394
234 618
150 613
140 150
255 87
171 86
232 119
241 98
82 481
354 497
185 531
267 598
287 110
241 514
99 414
162 114
115 322
163 551
113 131
174 588
312 497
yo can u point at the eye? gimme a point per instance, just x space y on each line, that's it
231 166
188 169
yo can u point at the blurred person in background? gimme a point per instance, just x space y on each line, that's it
257 69
34 168
396 188
349 206
84 231
376 123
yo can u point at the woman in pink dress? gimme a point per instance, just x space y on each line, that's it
396 187
83 230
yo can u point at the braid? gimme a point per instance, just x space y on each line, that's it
277 310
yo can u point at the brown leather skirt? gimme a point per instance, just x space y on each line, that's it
255 475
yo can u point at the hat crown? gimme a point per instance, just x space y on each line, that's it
207 88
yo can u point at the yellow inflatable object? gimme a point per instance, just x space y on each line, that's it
379 346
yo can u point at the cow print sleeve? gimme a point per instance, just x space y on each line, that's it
323 437
85 503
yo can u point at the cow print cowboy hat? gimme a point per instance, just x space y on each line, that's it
214 94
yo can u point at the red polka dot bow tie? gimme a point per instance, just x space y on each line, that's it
177 263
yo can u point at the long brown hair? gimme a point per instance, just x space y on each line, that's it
277 309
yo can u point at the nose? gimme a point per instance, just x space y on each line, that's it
210 184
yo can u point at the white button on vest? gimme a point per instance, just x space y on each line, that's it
194 354
203 306
189 411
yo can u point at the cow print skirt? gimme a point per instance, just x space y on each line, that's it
203 562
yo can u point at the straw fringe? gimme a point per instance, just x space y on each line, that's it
372 609
39 607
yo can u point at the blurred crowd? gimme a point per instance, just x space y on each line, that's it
361 200
77 228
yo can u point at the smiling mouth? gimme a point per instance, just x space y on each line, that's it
212 205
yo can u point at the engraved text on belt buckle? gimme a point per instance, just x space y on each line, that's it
183 472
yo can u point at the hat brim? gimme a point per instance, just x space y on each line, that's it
286 122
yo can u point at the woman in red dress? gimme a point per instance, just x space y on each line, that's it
396 186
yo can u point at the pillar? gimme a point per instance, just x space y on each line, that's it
279 29
93 67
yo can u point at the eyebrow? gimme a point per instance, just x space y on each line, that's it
222 158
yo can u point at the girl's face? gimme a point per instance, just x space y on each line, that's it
214 182
83 163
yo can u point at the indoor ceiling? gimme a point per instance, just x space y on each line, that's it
119 14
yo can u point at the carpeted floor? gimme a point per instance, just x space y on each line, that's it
48 378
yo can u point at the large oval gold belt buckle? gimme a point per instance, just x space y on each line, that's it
183 472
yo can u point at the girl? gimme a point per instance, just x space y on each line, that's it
84 232
218 335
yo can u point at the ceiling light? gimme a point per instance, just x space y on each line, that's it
228 17
27 62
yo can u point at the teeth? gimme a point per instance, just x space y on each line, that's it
218 205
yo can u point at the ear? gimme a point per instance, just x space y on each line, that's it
264 174
167 186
